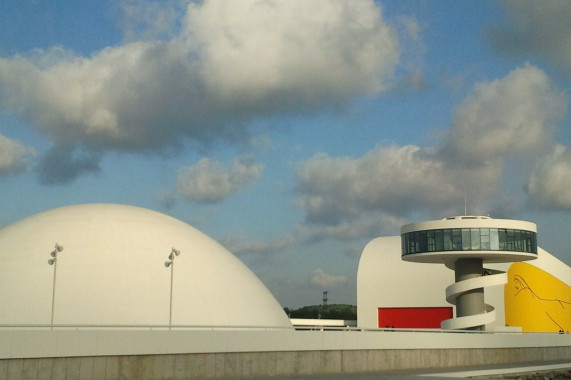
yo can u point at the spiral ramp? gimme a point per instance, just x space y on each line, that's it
456 290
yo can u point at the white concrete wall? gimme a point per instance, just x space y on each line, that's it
65 343
139 354
235 365
385 280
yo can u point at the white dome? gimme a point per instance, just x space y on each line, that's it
112 272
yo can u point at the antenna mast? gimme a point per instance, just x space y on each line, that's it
465 203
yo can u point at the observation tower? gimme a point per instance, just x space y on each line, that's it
464 244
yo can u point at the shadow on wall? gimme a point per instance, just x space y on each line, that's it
536 300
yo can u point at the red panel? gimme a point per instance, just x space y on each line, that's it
413 317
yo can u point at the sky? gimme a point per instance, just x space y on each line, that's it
292 132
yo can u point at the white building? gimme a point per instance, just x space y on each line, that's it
406 281
113 292
111 272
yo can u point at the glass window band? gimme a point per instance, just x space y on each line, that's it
469 239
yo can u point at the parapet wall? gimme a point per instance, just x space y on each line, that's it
267 364
192 354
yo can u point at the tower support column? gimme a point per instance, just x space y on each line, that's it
472 301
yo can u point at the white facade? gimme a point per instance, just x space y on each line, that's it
112 271
385 280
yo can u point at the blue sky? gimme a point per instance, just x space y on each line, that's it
293 132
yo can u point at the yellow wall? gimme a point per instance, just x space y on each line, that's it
536 300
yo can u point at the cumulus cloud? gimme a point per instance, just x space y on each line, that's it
537 27
515 115
277 49
209 181
241 245
150 19
549 184
229 63
413 50
324 280
165 198
63 163
393 179
512 117
363 228
14 156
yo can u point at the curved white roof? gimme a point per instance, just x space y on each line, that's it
112 272
469 222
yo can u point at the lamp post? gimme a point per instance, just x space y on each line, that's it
53 261
170 263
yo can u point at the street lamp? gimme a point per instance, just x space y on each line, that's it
53 261
170 263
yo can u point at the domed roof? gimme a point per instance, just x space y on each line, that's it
112 271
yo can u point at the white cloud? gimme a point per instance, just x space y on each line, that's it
538 27
208 181
513 118
260 50
363 228
241 245
165 198
549 185
110 101
514 115
14 156
63 163
343 231
391 179
230 63
150 19
324 280
413 51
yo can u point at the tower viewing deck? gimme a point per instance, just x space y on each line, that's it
464 244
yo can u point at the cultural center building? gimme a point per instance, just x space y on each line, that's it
106 291
465 272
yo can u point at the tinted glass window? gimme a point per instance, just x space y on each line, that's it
494 242
457 239
466 235
467 239
447 240
475 238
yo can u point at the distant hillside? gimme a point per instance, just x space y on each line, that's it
346 312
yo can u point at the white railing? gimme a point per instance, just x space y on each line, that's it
16 326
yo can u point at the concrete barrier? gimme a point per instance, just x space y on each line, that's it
87 354
266 364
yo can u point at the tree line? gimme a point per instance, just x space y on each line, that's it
346 312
